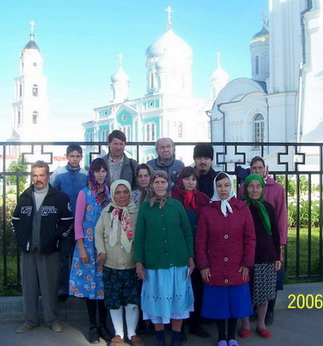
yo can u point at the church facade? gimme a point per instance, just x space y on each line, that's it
282 101
168 109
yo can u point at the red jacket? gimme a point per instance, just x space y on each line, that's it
224 244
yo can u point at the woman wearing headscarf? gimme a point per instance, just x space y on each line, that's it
193 200
86 275
224 251
114 238
267 256
164 260
276 196
142 193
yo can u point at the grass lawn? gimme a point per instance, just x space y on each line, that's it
304 242
9 290
291 274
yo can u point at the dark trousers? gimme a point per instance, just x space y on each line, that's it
197 284
40 272
67 245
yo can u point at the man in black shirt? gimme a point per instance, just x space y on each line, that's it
203 157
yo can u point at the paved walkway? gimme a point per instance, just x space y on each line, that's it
291 327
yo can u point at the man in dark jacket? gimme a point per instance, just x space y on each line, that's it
203 157
119 165
166 161
41 217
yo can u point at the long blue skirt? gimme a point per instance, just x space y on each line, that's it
167 294
222 302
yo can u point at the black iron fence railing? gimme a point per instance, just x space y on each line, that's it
297 166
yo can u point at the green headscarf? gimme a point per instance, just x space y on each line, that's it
262 211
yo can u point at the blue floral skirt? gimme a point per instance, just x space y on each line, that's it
167 294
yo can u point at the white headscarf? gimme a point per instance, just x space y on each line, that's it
225 205
125 224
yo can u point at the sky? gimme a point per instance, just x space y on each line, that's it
80 40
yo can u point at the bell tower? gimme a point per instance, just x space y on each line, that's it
30 105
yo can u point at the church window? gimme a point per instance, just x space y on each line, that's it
153 131
20 90
148 133
127 131
35 117
180 129
259 129
19 117
152 81
257 64
104 135
35 90
90 137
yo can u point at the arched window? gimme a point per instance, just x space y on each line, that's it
35 117
148 133
104 135
127 131
258 129
35 90
152 80
257 64
153 132
90 136
19 118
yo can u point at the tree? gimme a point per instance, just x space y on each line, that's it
19 168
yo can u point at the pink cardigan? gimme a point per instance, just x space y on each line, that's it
79 215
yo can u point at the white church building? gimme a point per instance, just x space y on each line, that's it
168 109
281 102
283 99
30 105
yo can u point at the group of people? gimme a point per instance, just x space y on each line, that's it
156 241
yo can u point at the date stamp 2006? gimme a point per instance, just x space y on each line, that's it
308 301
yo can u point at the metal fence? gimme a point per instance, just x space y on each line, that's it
297 166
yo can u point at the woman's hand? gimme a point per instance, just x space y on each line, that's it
191 266
278 265
84 257
245 272
205 273
140 270
101 259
